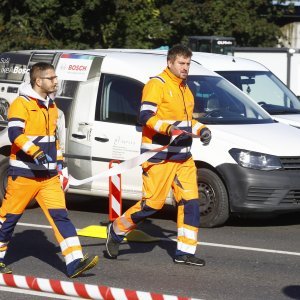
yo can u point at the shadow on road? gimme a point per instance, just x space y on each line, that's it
34 243
153 230
264 220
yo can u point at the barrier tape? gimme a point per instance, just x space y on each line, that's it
86 291
130 163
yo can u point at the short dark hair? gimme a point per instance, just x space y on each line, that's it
37 69
179 50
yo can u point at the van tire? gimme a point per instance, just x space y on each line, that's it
213 199
4 165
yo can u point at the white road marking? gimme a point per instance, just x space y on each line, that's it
250 248
34 225
246 248
202 243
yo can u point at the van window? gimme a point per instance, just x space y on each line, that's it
219 102
121 98
13 67
65 96
266 89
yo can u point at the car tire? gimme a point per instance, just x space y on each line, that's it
213 199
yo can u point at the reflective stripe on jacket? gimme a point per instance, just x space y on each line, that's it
32 128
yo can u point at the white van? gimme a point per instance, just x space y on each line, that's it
251 165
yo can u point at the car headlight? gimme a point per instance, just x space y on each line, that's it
255 160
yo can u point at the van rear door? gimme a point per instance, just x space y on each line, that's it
79 76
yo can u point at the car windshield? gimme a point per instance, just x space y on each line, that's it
219 102
266 89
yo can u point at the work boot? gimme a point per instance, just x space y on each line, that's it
4 269
189 259
112 246
83 265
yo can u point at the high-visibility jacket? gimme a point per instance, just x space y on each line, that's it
32 124
166 101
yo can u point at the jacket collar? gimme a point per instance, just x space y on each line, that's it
26 90
175 79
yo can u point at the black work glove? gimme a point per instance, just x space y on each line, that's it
41 158
60 165
205 136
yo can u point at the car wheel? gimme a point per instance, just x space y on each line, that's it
213 199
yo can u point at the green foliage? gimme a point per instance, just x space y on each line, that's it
32 24
252 23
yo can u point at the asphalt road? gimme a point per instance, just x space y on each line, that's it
246 258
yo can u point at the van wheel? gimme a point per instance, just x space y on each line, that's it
213 199
4 165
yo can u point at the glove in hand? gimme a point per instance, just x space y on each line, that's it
60 165
205 136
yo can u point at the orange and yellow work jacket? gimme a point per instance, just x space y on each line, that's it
31 128
166 101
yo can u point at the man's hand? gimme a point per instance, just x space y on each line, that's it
41 158
60 165
205 136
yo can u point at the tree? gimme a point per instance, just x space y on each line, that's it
252 23
136 24
31 24
52 24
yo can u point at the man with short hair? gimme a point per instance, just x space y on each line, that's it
166 110
34 161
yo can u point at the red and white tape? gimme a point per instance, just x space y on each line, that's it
128 164
85 291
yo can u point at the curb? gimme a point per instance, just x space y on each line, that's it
86 291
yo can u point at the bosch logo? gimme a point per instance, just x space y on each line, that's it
77 68
15 70
20 70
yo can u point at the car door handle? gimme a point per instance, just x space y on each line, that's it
79 136
100 139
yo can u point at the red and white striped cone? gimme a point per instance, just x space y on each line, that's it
86 291
115 194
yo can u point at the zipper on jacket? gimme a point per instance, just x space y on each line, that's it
47 129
